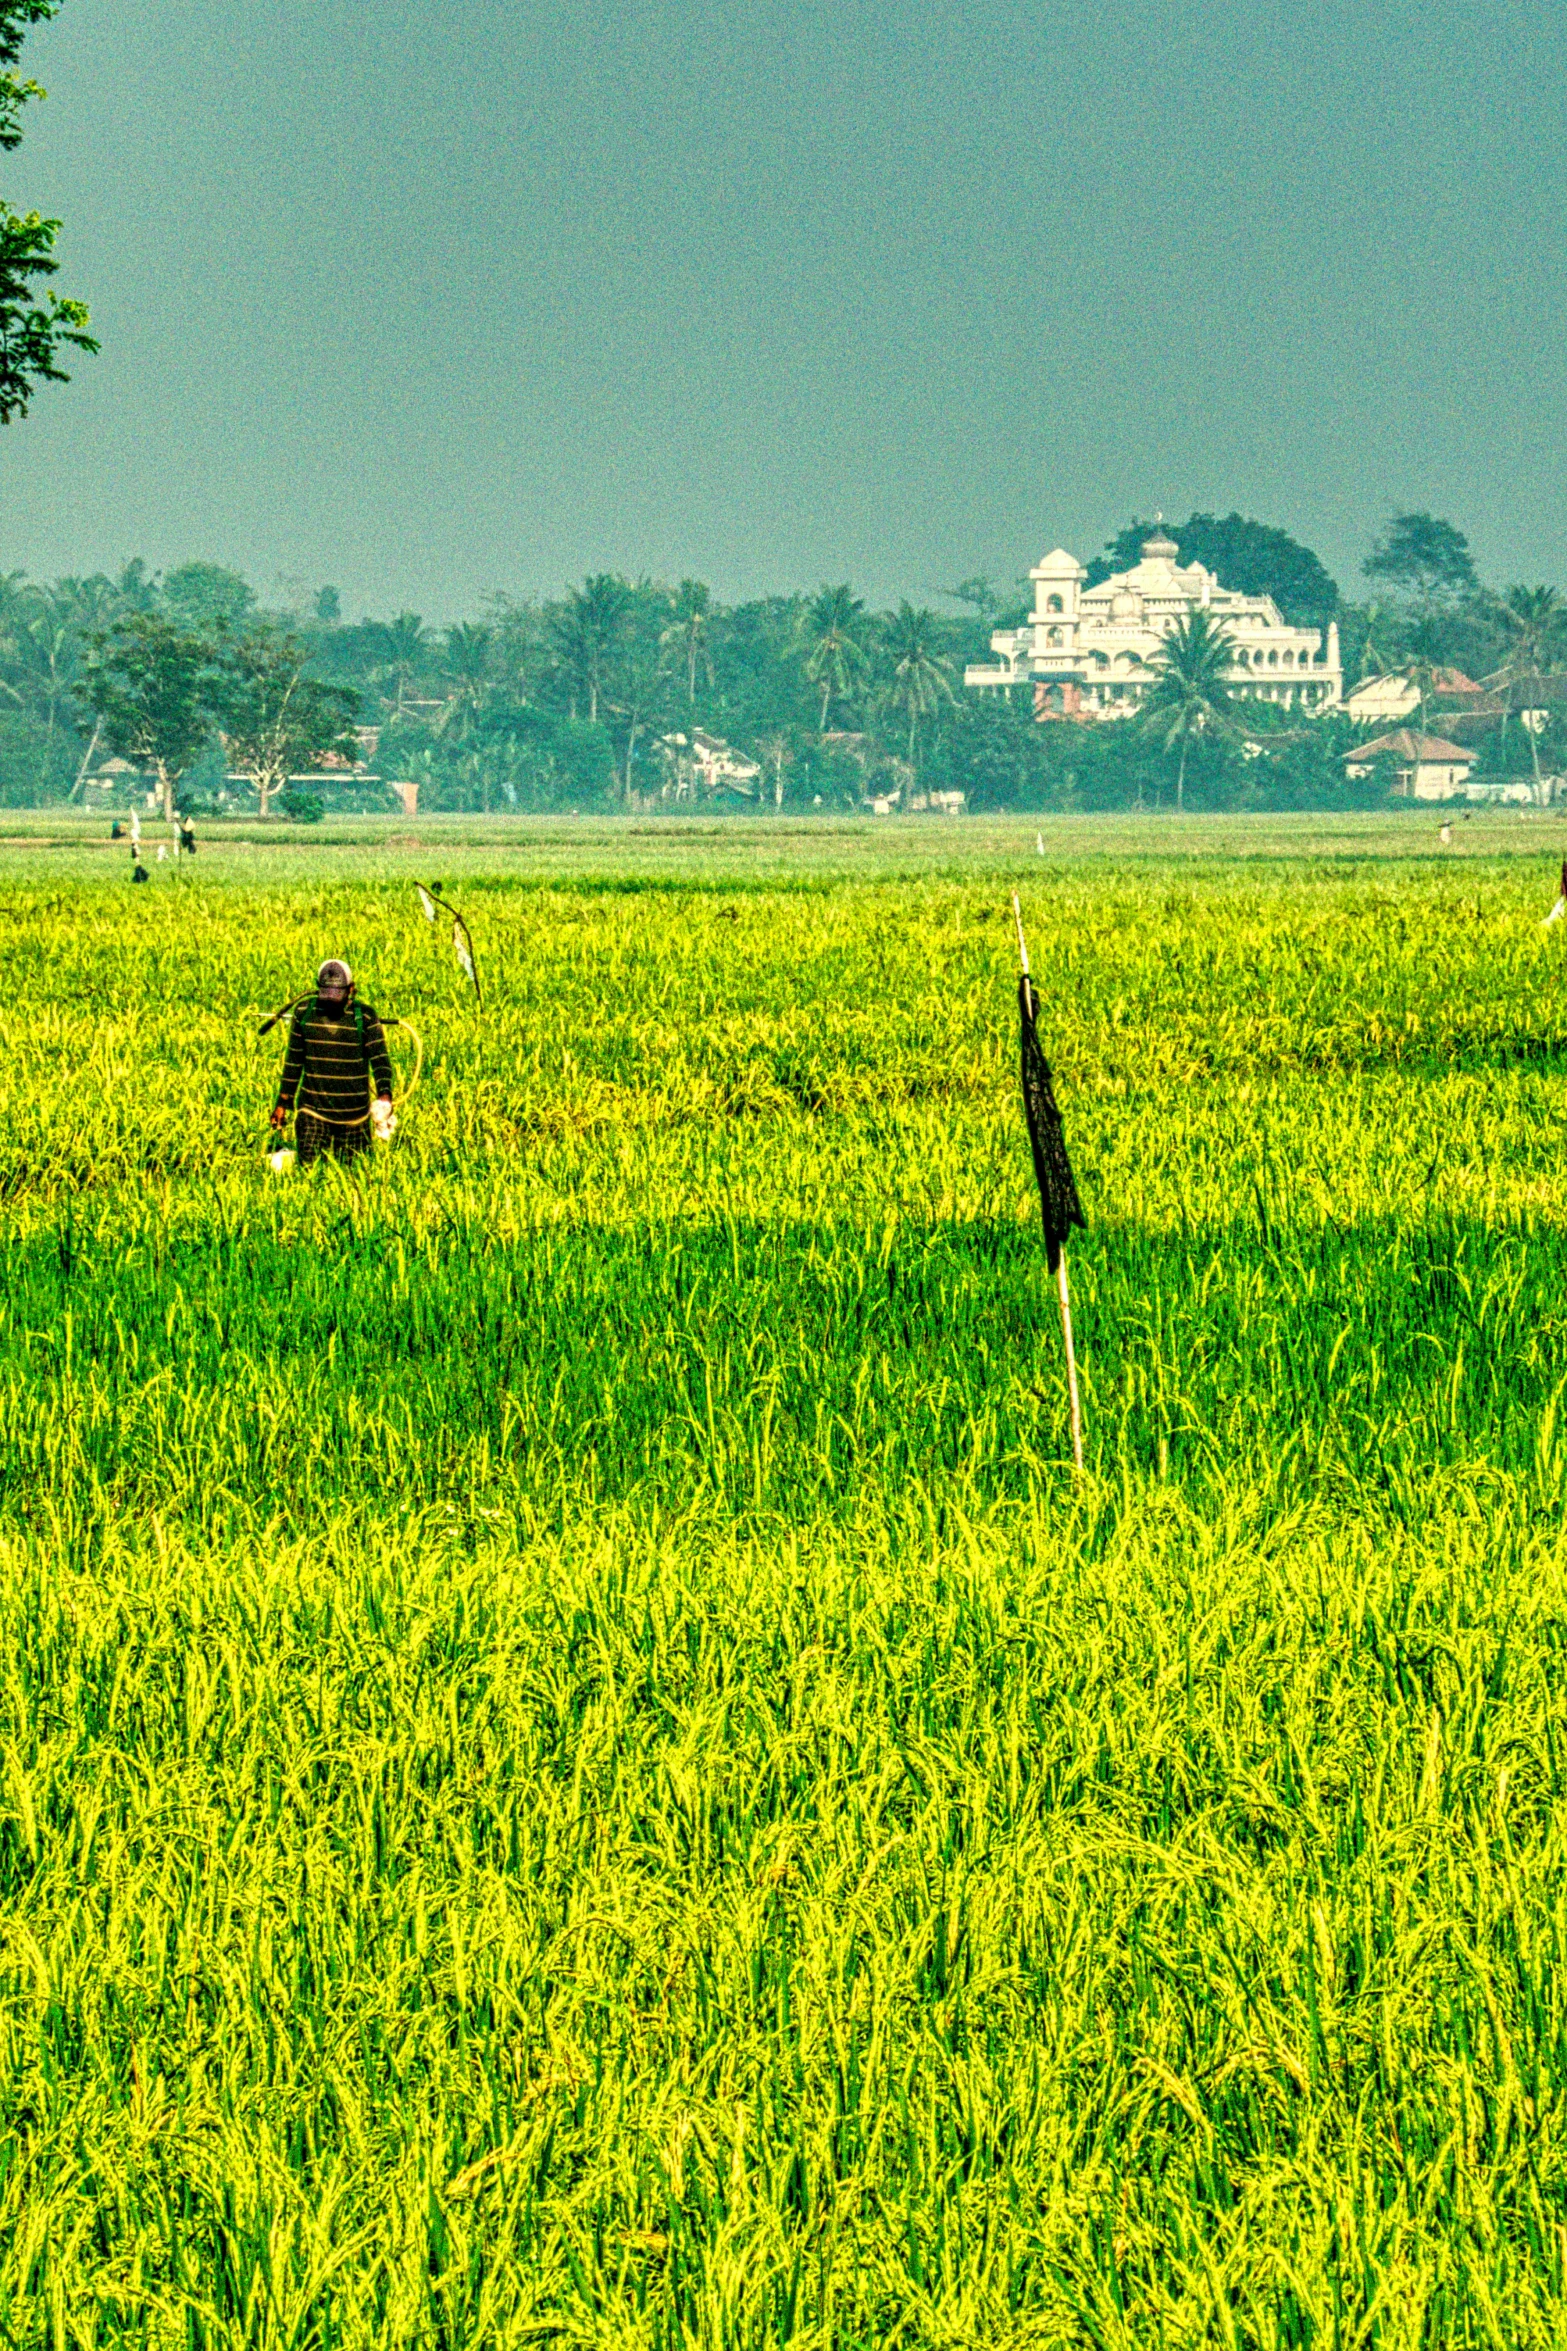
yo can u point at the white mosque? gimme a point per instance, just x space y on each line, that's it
1089 654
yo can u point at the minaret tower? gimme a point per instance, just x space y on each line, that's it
1055 617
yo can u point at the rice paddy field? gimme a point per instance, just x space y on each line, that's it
576 1764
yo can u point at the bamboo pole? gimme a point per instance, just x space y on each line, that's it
87 757
1071 1359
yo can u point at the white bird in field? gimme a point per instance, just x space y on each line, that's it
1445 835
1039 843
1555 914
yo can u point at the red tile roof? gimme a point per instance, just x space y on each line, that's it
1404 743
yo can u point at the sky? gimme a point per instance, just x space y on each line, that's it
482 295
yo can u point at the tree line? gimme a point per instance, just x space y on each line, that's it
594 698
600 696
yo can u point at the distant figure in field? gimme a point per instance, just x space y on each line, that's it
336 1045
187 847
116 830
139 872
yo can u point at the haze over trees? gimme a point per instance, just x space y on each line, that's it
585 700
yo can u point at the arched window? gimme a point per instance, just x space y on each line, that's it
1054 637
1053 604
1273 661
1289 660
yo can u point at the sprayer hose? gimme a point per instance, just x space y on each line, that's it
398 1100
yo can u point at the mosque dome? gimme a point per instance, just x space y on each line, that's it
1159 545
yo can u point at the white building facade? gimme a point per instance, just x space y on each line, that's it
1091 653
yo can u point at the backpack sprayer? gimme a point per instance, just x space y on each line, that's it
381 1117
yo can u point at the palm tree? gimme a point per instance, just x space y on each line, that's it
1374 645
50 649
587 630
829 639
635 688
18 604
83 606
1533 619
136 589
689 629
467 662
776 753
1191 693
91 602
1425 643
43 631
517 641
921 672
403 648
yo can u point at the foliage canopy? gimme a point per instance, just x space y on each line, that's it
1255 557
1423 557
37 326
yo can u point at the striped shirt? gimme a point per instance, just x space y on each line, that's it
334 1065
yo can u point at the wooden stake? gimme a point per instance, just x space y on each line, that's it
1071 1359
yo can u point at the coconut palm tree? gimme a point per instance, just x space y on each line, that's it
634 692
1423 669
1375 644
467 663
1191 693
1534 619
587 629
81 607
777 755
689 629
49 652
403 647
136 589
831 642
18 604
921 672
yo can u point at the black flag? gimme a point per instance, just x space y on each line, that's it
1058 1200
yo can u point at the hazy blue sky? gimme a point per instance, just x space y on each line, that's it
488 293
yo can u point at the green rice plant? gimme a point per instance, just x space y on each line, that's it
575 1763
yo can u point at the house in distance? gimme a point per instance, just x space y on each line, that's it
1391 695
1089 653
1424 767
701 763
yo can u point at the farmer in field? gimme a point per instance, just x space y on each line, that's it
336 1045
